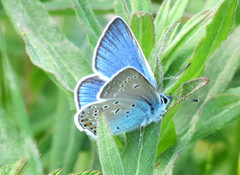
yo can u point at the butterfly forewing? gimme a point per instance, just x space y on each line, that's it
129 83
118 49
122 115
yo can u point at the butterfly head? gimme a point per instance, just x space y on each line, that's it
165 99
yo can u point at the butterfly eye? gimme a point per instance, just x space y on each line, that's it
165 100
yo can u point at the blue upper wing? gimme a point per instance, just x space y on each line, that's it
87 89
118 49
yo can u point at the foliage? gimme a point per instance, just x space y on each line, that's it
47 46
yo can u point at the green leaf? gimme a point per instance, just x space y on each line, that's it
221 66
237 17
226 57
140 5
168 135
182 46
57 5
160 21
166 17
88 20
19 112
16 168
140 160
64 128
108 153
212 3
216 32
217 113
143 29
122 10
220 70
90 172
47 47
11 148
56 172
187 89
233 91
177 11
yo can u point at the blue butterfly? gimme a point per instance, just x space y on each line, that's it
123 85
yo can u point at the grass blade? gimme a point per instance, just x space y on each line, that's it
217 113
122 10
140 160
88 20
216 32
108 153
47 47
143 29
221 63
140 5
20 113
168 136
17 168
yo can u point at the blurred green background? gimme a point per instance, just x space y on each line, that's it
49 109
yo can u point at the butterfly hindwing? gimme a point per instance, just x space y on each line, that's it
122 115
118 49
87 89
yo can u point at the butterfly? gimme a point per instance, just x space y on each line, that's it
123 85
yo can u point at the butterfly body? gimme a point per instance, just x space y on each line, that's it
123 86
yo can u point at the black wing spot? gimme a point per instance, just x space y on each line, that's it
124 81
121 85
116 94
129 78
120 90
105 106
117 111
135 76
133 105
127 112
118 128
135 86
116 102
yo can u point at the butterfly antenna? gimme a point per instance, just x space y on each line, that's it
174 79
164 43
187 99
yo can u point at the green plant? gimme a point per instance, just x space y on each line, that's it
36 115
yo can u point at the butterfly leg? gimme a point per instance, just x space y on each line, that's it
140 137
